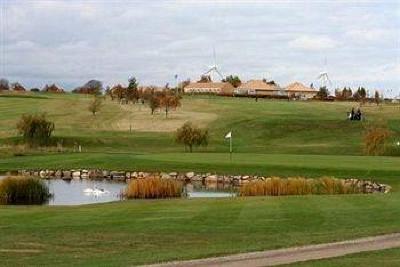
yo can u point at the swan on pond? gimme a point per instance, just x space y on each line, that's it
95 191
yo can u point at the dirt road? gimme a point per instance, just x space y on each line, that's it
295 254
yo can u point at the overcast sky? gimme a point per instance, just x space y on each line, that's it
70 42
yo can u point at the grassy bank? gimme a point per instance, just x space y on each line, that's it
258 127
382 169
137 232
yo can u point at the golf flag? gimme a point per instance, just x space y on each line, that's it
228 135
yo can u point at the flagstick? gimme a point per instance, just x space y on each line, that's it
230 147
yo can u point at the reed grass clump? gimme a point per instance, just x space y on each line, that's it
276 186
23 190
153 187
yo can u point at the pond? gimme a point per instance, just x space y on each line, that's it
78 192
86 191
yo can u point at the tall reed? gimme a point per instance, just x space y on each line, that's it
153 187
23 190
276 186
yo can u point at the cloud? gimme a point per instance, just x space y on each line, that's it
373 34
313 43
70 42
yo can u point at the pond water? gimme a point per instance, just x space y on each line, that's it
78 192
85 191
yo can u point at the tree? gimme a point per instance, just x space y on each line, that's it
234 80
154 103
190 135
95 105
182 85
377 98
35 129
360 94
117 91
4 85
339 93
347 93
132 93
322 93
168 101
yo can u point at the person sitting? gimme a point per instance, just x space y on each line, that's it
358 114
350 115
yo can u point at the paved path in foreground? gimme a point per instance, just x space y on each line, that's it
295 254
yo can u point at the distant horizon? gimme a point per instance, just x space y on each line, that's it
71 42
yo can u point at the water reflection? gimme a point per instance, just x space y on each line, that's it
209 190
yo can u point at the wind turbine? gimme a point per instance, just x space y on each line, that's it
323 77
214 68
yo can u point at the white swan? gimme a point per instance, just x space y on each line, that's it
95 191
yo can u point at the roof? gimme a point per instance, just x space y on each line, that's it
259 85
299 87
209 85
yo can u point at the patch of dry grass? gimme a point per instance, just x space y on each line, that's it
153 188
276 186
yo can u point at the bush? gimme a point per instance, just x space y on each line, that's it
153 188
95 105
189 135
375 140
22 190
276 186
35 129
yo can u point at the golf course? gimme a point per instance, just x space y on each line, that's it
270 138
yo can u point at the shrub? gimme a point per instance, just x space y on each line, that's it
276 186
189 135
22 190
375 139
95 105
35 129
153 188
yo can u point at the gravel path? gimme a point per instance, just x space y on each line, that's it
295 254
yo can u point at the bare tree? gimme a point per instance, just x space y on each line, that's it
168 101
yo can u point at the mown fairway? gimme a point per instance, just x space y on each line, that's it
282 138
136 232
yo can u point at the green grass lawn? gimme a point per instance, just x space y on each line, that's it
384 258
137 232
280 138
